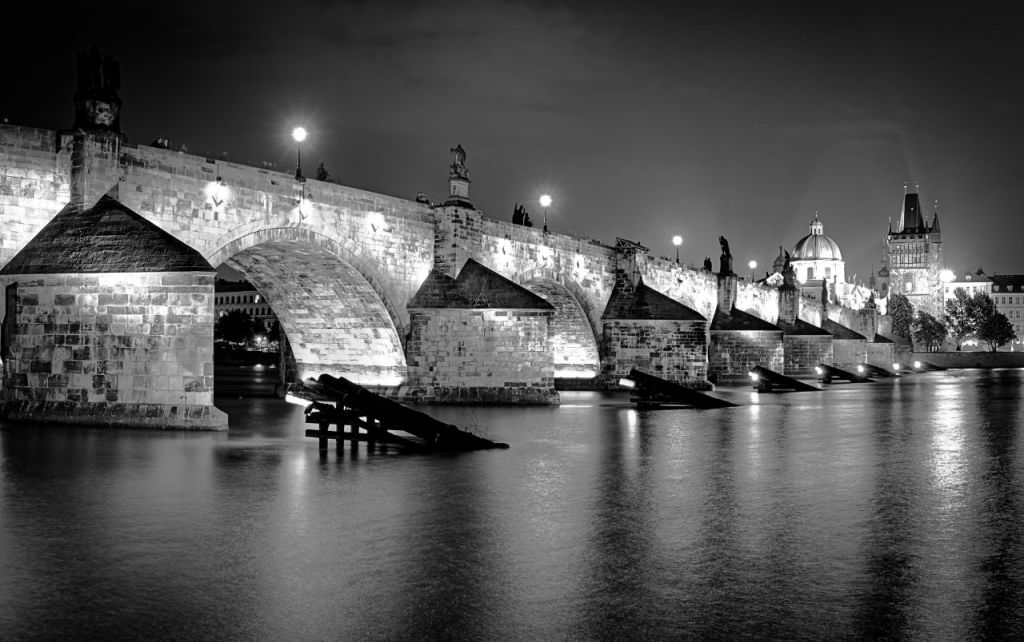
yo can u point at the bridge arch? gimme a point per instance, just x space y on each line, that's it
573 329
334 310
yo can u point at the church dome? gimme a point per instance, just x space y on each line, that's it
816 246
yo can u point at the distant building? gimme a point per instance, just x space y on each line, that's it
1008 295
816 258
241 295
969 282
912 258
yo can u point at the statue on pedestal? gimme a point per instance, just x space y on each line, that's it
97 104
458 167
726 257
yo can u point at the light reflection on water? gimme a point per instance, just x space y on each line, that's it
891 509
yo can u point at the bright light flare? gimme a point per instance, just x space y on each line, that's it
627 383
860 369
545 200
298 401
917 365
299 134
818 370
896 367
217 192
947 276
677 240
754 376
752 265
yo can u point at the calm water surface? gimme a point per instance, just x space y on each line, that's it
894 509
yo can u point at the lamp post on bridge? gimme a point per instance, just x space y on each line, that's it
299 135
677 241
753 266
545 202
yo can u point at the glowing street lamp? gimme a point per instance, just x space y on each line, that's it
545 202
677 241
299 135
753 266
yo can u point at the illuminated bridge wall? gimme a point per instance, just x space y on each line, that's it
338 265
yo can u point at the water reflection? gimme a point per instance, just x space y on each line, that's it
887 510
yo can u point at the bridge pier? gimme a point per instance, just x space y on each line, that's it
646 330
108 320
479 338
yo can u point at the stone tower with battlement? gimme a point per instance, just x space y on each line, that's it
912 257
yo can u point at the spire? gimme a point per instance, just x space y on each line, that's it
911 219
935 224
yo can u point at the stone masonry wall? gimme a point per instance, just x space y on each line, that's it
34 185
881 354
691 286
388 240
456 233
731 354
847 353
672 350
480 356
115 349
524 254
803 352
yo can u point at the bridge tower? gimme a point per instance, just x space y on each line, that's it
912 257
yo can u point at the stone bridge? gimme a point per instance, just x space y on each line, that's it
346 270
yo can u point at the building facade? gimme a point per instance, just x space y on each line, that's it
241 295
912 258
970 282
1008 295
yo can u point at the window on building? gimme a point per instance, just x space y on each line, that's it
810 273
828 272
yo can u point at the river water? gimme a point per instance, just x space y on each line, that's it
893 509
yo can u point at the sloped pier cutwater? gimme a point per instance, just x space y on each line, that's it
654 392
827 374
766 380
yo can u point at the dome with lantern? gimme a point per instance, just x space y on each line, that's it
816 256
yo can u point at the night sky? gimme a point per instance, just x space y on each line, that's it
740 119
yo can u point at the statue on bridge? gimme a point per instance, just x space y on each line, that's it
458 167
707 264
97 105
788 273
726 257
518 214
